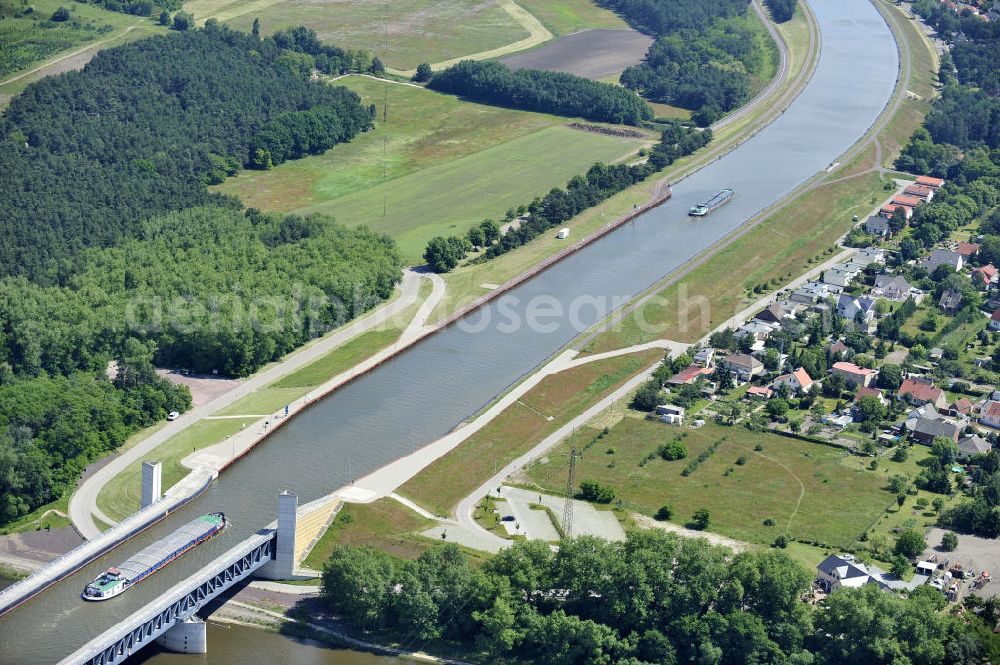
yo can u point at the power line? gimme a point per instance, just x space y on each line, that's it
567 519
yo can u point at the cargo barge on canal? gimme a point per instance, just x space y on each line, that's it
717 201
121 578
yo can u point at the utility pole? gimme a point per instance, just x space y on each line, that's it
567 519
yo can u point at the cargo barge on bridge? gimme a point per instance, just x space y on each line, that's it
121 578
717 201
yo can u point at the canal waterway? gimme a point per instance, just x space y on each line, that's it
422 394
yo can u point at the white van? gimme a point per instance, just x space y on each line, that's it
563 234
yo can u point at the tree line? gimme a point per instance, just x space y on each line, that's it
492 82
655 598
601 182
138 132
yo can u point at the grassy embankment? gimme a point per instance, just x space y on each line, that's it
120 496
828 205
419 30
31 42
437 167
564 17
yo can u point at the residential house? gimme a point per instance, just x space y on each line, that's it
836 571
705 357
928 429
967 250
850 306
921 192
810 293
943 257
969 446
867 256
773 313
841 275
878 225
798 381
854 375
950 301
838 349
985 278
989 415
690 375
994 323
890 209
868 391
669 413
928 181
919 391
744 367
960 407
758 331
759 392
891 287
906 201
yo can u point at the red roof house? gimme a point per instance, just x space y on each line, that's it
908 201
921 192
854 375
928 181
922 391
967 249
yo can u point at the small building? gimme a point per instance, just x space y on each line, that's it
989 414
840 275
773 313
743 366
943 257
669 413
838 349
967 250
891 287
890 209
690 375
563 234
927 429
867 256
970 446
836 571
985 278
921 192
798 381
810 293
878 225
994 323
854 375
850 306
759 392
919 391
928 181
868 391
926 568
757 330
960 407
907 201
950 301
705 357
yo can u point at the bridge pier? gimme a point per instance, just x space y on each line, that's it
188 636
283 565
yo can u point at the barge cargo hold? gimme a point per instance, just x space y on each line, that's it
717 201
121 578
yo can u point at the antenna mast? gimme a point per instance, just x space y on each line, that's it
567 519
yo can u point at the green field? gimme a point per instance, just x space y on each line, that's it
563 17
449 164
418 30
810 491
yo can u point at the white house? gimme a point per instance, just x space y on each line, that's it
836 571
849 307
841 274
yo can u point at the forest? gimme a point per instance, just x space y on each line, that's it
491 82
656 599
705 57
601 182
140 131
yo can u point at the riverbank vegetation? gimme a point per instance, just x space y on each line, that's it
708 57
492 82
655 598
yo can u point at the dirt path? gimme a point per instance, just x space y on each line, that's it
537 34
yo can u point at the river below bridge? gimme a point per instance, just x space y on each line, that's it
425 392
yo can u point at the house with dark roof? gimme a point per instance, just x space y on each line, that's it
950 301
810 293
878 225
850 306
836 571
969 446
943 257
841 274
919 391
928 429
773 313
891 287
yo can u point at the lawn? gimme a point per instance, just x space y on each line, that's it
439 487
120 497
438 166
384 524
805 488
418 30
563 17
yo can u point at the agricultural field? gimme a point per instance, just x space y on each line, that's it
593 54
436 167
809 491
418 30
564 17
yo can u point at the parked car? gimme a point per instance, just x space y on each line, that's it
173 415
507 518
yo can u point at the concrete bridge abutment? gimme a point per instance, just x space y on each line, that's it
188 636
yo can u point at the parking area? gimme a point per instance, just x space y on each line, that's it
972 557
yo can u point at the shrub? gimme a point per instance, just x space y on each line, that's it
949 541
701 519
423 73
781 541
741 460
768 521
591 490
664 513
672 451
60 15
